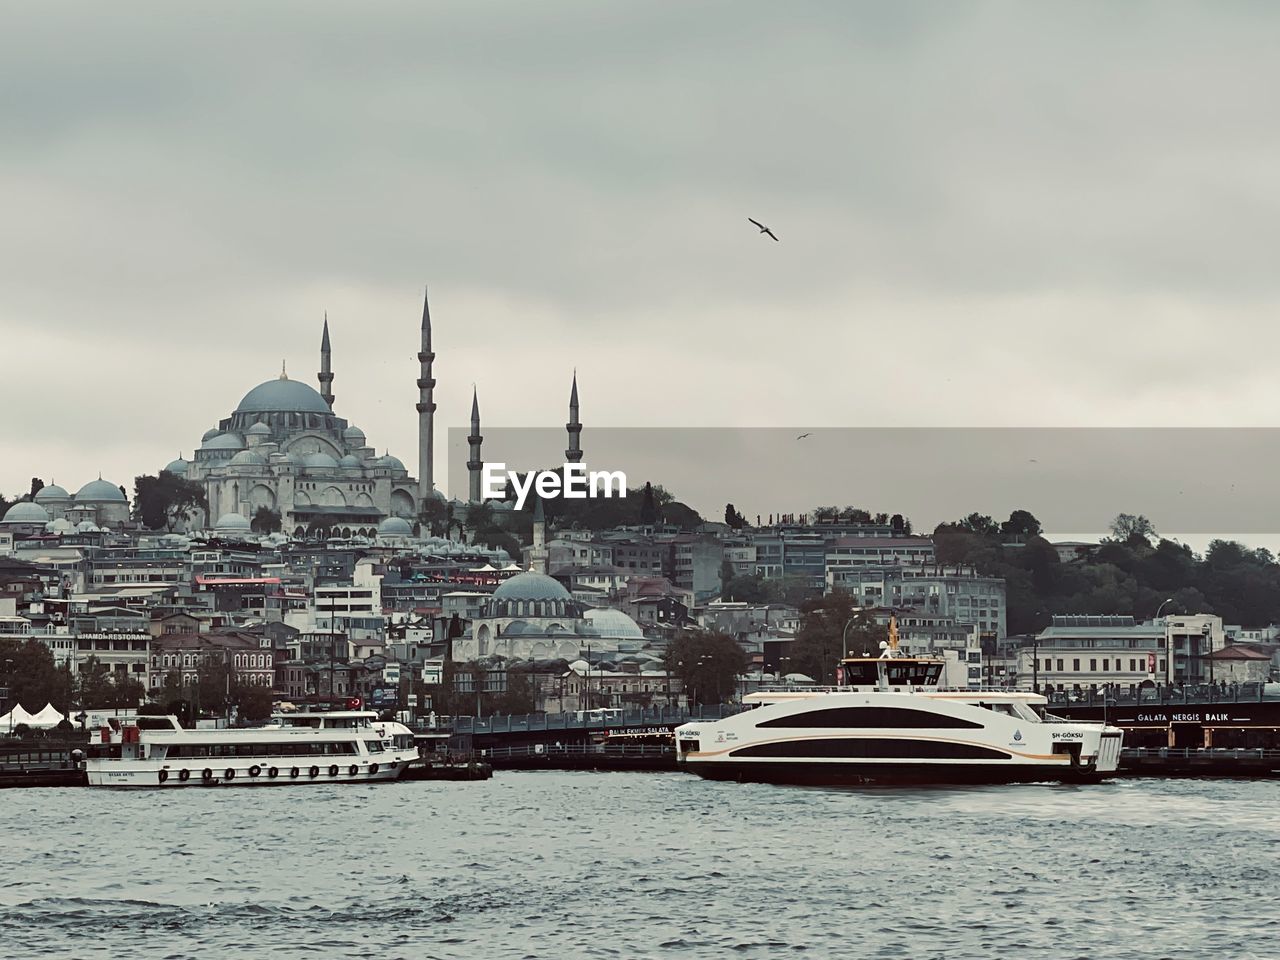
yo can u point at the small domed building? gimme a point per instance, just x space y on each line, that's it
25 518
532 616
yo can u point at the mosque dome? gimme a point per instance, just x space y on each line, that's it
27 512
100 490
395 527
224 441
210 434
87 526
614 624
393 463
319 462
51 493
231 523
350 462
60 526
531 585
354 436
258 429
247 458
178 467
282 396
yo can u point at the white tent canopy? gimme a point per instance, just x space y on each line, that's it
47 718
14 717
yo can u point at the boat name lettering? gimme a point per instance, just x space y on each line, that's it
1068 735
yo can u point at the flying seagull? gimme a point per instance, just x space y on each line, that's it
803 435
763 228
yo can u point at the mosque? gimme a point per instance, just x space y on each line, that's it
284 448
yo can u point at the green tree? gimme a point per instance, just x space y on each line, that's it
821 641
708 665
750 588
265 520
94 687
648 505
28 670
166 500
1021 523
253 701
434 516
1132 529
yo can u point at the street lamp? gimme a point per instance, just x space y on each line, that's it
8 682
1161 607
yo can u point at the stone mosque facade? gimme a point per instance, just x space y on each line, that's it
284 447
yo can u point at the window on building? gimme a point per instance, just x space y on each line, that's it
1093 665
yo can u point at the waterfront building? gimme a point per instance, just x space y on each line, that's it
1088 652
1243 663
928 591
847 552
1189 640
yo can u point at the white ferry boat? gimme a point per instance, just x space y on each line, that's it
889 722
339 747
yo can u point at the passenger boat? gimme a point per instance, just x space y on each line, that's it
888 721
350 746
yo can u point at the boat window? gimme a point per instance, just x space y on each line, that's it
1027 712
872 748
375 746
871 717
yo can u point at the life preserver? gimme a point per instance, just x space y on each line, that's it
255 770
206 775
184 775
273 772
163 775
354 769
333 769
373 768
230 774
293 772
314 771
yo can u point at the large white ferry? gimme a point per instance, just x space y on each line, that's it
350 746
890 722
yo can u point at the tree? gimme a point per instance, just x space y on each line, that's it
36 486
648 506
166 499
707 664
980 524
28 670
751 588
1021 523
1132 529
253 701
265 520
434 516
733 518
822 638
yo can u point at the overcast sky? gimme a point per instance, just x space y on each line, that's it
990 214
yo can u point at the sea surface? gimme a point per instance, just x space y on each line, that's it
643 865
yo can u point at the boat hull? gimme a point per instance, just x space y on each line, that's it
847 774
117 773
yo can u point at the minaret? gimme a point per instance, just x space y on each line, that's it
475 464
538 556
574 426
426 408
326 371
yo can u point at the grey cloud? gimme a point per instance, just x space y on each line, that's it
1025 196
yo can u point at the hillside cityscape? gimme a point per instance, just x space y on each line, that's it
286 563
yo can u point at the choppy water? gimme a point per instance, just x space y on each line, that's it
642 865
